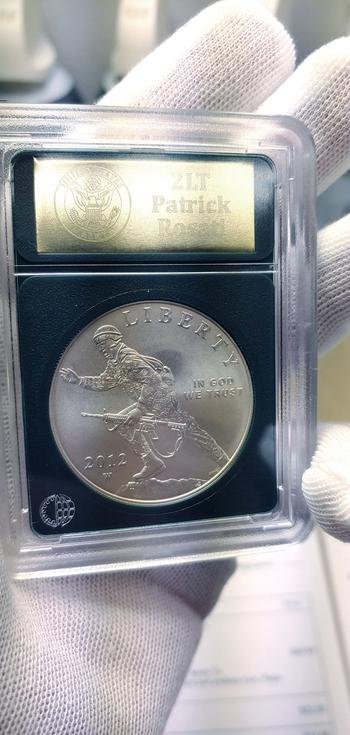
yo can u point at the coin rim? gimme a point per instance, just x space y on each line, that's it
164 501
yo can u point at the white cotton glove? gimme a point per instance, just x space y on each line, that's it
106 654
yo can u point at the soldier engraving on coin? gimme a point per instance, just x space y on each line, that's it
190 409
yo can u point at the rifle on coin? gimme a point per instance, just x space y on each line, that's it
147 423
112 420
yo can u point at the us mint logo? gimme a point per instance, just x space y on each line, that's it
57 510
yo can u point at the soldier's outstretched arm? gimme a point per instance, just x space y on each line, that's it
103 381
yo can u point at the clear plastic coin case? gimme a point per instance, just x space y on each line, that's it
158 339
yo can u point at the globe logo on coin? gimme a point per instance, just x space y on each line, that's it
57 510
92 202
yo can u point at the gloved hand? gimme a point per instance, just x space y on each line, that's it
106 654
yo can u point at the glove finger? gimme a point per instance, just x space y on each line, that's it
334 283
199 585
318 93
231 56
326 484
120 644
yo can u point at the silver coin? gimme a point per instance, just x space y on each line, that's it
151 403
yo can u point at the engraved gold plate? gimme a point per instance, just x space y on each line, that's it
143 203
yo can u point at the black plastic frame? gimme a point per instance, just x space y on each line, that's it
53 309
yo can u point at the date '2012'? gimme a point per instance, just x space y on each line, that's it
103 462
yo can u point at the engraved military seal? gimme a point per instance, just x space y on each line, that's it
92 202
151 403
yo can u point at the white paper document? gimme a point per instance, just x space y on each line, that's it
270 660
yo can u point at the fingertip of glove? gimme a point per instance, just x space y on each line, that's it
337 50
230 56
318 94
333 301
326 484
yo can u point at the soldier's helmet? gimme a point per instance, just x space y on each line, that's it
107 331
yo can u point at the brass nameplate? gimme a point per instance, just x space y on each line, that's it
144 204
